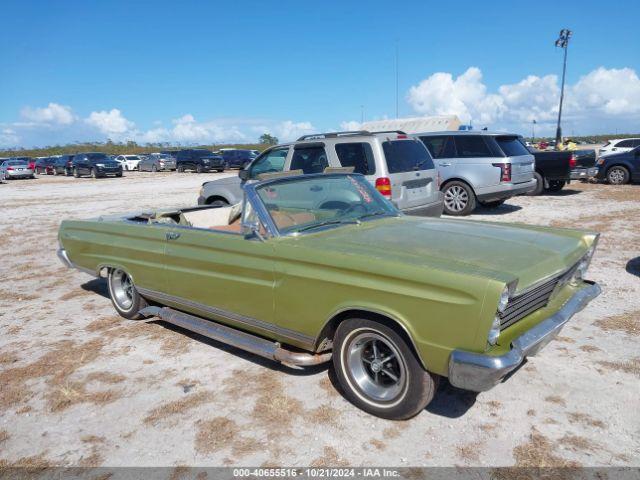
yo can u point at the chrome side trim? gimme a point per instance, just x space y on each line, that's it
237 338
306 340
64 258
478 372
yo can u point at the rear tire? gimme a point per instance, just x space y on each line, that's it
379 372
539 185
618 175
219 203
180 169
154 169
556 185
124 296
459 198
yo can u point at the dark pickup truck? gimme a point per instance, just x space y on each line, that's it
555 169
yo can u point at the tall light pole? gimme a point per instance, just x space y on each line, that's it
533 130
562 42
397 75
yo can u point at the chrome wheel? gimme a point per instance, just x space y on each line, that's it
617 176
376 366
456 198
122 289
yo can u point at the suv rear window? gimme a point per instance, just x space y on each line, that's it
472 146
357 155
406 156
512 146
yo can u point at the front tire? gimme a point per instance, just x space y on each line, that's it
180 169
459 199
76 173
556 185
378 371
154 169
618 175
124 296
94 173
198 168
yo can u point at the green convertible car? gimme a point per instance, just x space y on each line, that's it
317 268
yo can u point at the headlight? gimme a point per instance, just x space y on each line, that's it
99 164
494 333
205 161
504 299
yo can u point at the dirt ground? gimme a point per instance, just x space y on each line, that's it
80 386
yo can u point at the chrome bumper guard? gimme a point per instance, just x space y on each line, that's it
479 373
578 173
62 255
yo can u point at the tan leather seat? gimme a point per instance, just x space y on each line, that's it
289 219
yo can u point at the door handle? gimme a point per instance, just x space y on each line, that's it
172 235
445 164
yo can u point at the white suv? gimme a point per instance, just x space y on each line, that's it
398 165
619 145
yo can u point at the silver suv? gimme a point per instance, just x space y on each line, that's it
398 165
480 167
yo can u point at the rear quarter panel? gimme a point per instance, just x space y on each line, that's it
93 244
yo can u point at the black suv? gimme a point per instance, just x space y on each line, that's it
237 158
96 165
198 159
63 165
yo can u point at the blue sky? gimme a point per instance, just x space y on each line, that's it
192 71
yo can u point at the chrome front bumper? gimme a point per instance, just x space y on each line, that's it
478 372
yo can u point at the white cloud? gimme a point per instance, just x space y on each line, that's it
350 126
288 130
111 123
53 114
597 99
8 138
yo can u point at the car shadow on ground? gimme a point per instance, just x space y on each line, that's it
633 266
97 285
451 402
565 192
503 209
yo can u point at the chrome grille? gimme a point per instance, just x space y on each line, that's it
532 300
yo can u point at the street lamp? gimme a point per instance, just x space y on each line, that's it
562 42
533 131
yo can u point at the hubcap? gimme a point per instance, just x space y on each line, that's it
122 288
616 176
456 198
376 366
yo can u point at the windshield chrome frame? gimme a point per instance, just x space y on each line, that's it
251 195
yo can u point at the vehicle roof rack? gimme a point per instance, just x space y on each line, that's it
391 131
334 134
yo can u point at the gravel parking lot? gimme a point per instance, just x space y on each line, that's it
80 386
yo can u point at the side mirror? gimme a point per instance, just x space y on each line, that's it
244 175
252 229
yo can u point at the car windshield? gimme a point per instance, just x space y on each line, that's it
97 157
313 202
16 162
132 157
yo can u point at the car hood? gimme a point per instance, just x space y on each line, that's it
495 250
230 180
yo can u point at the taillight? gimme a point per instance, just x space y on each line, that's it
9 168
505 171
383 185
401 136
573 161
